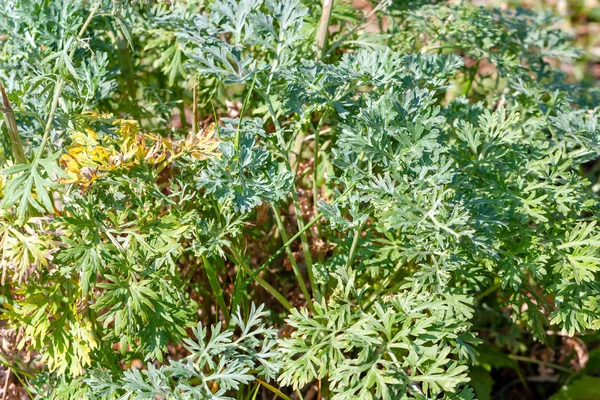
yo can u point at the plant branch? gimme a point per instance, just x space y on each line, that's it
211 274
61 83
354 245
540 362
471 77
13 130
316 169
323 32
295 237
338 42
297 210
293 262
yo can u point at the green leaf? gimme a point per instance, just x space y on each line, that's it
584 388
481 382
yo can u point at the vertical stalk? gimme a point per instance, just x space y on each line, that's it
297 210
57 90
243 110
323 32
390 278
60 83
13 131
363 22
126 65
315 176
195 112
182 116
471 78
357 233
305 247
295 268
215 285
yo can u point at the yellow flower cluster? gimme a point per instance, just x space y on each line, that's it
90 156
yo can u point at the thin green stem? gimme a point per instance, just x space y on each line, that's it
295 237
272 111
471 77
182 116
540 362
272 291
288 250
61 83
301 227
256 391
489 290
315 186
354 245
377 293
305 247
273 389
195 111
57 90
242 112
215 285
127 70
315 176
87 22
365 19
11 366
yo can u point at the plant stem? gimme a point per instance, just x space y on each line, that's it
305 247
273 389
288 250
6 381
237 134
301 227
544 363
316 170
14 368
256 391
471 77
126 64
60 83
323 32
296 236
382 287
274 292
286 304
267 286
211 274
85 25
182 116
489 290
195 112
57 90
338 42
13 130
357 233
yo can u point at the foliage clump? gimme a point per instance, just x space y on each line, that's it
402 201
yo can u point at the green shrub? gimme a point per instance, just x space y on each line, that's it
396 198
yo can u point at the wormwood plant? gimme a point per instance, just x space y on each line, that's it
402 201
